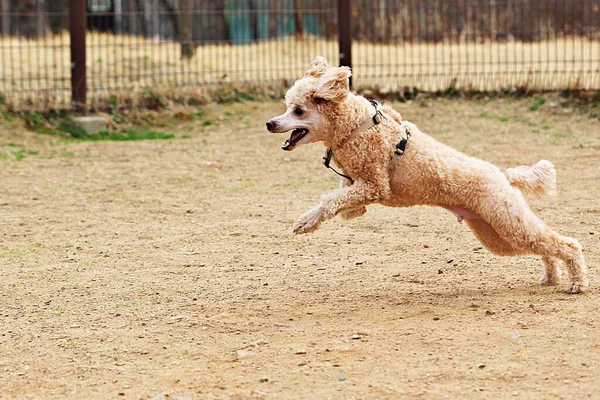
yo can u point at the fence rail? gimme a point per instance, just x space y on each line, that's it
55 51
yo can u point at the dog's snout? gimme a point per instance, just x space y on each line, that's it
271 125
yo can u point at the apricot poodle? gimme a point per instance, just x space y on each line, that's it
383 159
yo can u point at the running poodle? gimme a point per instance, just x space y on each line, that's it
389 161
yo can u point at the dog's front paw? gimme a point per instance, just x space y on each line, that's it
309 221
354 212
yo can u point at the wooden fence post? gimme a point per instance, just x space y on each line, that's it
77 29
345 33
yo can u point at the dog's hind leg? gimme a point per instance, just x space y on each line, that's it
509 215
552 271
483 231
490 238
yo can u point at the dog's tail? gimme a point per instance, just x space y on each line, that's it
539 180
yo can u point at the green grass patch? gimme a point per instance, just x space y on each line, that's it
540 101
234 96
129 135
19 155
485 115
504 119
72 130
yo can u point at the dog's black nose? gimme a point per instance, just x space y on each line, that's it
271 125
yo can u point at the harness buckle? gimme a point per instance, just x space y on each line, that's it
377 118
401 145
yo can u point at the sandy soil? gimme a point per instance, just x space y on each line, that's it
168 269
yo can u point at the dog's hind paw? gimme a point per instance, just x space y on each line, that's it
577 286
309 221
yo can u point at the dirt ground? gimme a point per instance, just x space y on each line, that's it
168 269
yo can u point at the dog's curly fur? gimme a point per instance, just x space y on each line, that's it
490 200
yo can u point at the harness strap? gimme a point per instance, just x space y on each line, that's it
368 124
327 162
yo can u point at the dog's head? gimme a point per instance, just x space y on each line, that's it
312 103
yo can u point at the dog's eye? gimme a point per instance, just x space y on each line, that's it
298 111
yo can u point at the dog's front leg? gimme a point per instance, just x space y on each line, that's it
351 213
345 198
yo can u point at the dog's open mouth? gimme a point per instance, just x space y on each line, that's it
296 136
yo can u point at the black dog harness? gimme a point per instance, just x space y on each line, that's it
365 126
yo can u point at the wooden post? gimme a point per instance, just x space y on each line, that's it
185 29
77 29
345 33
119 16
5 17
298 19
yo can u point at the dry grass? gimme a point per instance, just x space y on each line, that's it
31 68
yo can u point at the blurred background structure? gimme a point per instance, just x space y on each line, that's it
134 45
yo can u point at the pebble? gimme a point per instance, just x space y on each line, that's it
341 378
514 335
242 353
436 318
355 337
361 262
488 312
481 365
300 351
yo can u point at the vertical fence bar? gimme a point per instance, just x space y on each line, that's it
77 29
345 33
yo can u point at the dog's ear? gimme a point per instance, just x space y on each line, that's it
334 85
317 67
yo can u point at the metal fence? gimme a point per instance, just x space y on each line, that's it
56 51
